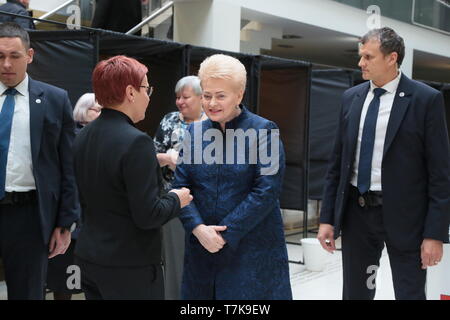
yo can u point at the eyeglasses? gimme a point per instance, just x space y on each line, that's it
148 89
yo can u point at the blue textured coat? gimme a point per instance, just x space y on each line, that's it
254 263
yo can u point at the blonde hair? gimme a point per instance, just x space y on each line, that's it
220 66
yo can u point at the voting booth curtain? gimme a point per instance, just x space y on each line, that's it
277 89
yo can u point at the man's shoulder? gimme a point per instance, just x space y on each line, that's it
13 8
423 88
46 87
356 89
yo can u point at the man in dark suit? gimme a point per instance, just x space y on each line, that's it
119 179
37 186
388 180
117 15
17 7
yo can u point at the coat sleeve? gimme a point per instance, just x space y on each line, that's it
159 138
265 192
190 216
68 206
140 167
438 166
333 177
101 14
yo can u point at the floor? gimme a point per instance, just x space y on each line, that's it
307 285
327 284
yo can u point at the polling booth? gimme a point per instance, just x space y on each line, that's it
65 59
165 61
277 89
284 97
327 87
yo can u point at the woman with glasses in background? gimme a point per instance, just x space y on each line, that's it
168 139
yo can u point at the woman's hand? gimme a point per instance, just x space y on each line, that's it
210 237
168 159
184 194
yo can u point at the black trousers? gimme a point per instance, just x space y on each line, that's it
121 283
23 251
363 238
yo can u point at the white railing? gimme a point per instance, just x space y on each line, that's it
154 15
52 12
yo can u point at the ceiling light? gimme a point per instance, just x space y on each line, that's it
286 46
291 36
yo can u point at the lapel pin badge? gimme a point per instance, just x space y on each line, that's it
402 94
38 100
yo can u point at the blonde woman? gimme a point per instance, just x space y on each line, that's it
235 247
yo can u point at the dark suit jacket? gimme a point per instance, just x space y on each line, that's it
117 15
52 134
415 167
17 8
119 182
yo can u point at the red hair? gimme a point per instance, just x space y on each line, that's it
111 77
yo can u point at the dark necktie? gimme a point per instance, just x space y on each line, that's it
6 117
368 141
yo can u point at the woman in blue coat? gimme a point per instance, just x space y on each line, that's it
234 164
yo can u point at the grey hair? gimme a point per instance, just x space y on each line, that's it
85 102
390 42
189 82
13 30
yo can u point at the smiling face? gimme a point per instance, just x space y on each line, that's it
220 99
189 104
14 60
375 65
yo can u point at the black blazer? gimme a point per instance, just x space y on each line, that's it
13 6
415 166
52 134
119 179
117 15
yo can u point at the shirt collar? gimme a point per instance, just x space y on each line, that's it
22 87
391 86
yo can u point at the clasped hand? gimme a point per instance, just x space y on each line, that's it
210 237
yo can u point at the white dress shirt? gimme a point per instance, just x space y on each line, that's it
19 166
386 101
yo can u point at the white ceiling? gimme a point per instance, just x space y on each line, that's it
325 46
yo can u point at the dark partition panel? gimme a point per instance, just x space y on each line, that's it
326 90
65 59
278 89
284 98
166 63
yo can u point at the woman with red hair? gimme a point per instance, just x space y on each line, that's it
119 246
